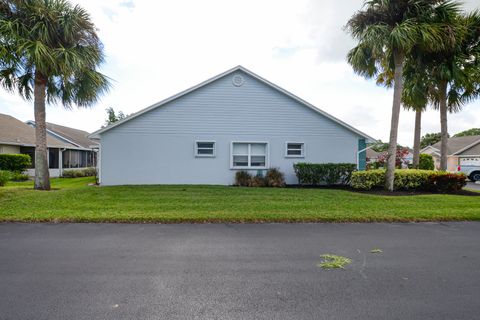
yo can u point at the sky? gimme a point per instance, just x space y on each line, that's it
155 49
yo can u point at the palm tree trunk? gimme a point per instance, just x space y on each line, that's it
399 58
416 139
42 177
442 87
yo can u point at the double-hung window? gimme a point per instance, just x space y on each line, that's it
246 155
295 150
205 149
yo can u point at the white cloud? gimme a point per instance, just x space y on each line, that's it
157 48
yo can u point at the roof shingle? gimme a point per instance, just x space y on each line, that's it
15 132
455 144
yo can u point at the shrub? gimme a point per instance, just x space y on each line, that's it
15 162
426 162
366 180
324 173
258 181
87 172
447 182
4 177
274 178
18 176
410 180
242 178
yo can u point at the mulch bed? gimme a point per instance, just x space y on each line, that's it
381 192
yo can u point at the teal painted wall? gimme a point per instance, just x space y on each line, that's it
362 157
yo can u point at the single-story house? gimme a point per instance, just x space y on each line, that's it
68 148
233 121
460 151
375 156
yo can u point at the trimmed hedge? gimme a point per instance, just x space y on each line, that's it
87 172
324 173
15 162
448 182
408 179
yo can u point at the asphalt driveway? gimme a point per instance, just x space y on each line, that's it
473 186
268 271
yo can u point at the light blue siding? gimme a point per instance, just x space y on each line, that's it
157 147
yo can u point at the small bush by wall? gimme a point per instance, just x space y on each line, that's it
257 181
242 178
4 177
87 172
405 179
15 162
273 178
426 162
324 173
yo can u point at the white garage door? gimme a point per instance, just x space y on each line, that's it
470 161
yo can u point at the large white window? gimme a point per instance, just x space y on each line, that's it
205 149
246 155
295 149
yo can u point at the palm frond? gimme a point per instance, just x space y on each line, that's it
58 41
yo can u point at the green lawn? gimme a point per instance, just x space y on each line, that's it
74 200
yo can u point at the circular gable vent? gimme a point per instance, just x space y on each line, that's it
238 80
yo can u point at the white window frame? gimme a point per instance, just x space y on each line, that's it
302 155
197 155
267 155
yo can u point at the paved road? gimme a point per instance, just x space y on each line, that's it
472 185
108 271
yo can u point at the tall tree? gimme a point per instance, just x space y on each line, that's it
49 52
387 30
469 132
113 116
430 138
455 69
415 96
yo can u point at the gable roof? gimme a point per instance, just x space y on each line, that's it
73 136
16 132
96 134
457 145
472 151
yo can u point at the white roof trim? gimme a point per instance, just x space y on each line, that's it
431 147
178 95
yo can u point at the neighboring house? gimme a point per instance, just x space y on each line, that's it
460 151
372 155
68 148
234 121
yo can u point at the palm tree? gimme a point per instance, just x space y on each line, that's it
387 30
416 95
49 50
455 70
